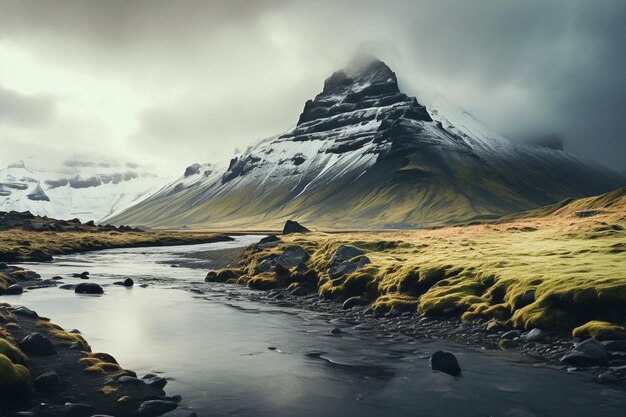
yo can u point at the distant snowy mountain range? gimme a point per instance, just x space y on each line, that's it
365 155
80 188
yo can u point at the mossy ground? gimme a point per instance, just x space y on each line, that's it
18 245
555 271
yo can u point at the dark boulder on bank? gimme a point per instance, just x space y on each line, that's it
36 344
293 256
88 288
14 289
268 240
587 353
48 383
156 407
445 362
294 227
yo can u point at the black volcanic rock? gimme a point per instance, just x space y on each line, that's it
294 227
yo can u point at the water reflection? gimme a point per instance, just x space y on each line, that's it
229 356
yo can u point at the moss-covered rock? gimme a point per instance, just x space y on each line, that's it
15 381
600 330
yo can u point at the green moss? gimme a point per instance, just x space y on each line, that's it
395 301
601 330
58 332
15 381
12 352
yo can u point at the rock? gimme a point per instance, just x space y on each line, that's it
88 288
510 335
67 287
57 278
265 265
130 380
78 410
269 239
347 267
292 256
445 362
587 353
211 276
155 381
36 344
82 275
128 282
25 312
14 289
345 253
3 266
39 256
354 301
535 335
48 383
294 227
615 345
336 330
156 407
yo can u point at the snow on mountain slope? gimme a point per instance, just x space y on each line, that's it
365 155
83 189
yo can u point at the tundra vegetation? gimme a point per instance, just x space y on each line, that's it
560 268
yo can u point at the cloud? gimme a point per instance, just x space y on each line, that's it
25 111
199 78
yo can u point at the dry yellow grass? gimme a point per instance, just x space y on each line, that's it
17 244
548 269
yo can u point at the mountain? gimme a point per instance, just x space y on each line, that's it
82 189
365 155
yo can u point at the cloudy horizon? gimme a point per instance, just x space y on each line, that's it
165 85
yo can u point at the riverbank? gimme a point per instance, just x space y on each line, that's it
538 282
50 372
28 238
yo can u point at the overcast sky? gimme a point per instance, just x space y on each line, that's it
169 83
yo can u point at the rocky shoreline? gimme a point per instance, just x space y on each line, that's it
545 348
285 278
50 372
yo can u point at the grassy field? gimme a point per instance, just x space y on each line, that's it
549 268
18 245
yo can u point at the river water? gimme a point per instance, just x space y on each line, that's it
229 355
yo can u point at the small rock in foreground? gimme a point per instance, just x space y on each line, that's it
37 345
445 362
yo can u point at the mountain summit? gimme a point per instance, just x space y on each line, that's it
365 155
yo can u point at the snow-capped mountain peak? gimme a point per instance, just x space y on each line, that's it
364 154
82 189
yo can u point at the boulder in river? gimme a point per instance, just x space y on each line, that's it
40 256
88 288
36 344
128 282
294 227
78 410
445 362
587 353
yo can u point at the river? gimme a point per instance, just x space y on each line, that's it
229 355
